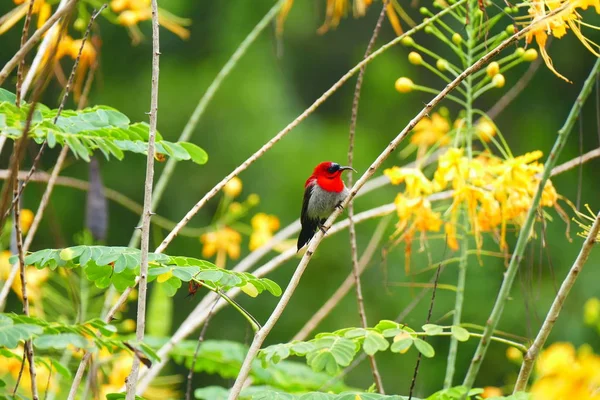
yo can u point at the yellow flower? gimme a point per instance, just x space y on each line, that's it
491 391
233 188
222 242
452 167
416 183
561 373
11 366
132 12
40 7
583 225
26 219
492 69
515 355
263 226
485 130
430 131
557 25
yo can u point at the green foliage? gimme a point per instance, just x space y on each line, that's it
11 334
458 393
120 265
265 393
225 358
85 131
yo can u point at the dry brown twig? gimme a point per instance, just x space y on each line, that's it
21 66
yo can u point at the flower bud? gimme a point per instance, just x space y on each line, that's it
253 200
498 80
404 85
428 30
492 69
442 64
408 41
424 10
530 55
415 58
510 29
456 39
520 51
233 188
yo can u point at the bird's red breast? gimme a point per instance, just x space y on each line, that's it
329 181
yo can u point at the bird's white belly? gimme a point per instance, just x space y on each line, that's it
322 202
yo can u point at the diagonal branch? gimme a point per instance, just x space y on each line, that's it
556 307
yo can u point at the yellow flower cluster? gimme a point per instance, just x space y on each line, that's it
11 366
263 226
35 279
132 12
494 192
40 8
557 25
563 373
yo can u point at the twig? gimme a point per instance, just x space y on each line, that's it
414 378
351 229
192 123
281 305
188 393
194 210
557 304
110 194
19 55
24 36
22 266
141 311
20 375
526 228
63 100
345 287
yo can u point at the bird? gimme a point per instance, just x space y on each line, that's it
324 190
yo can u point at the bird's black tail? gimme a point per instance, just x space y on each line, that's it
308 231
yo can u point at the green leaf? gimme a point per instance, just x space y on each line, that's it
432 330
197 154
424 348
11 334
374 342
60 341
401 345
460 333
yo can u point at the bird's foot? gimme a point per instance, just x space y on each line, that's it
339 206
323 229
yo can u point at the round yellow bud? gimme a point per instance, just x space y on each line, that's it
404 85
415 58
407 41
235 208
492 69
79 24
234 187
253 199
441 64
514 354
591 311
26 219
128 325
510 29
520 51
424 10
530 55
128 18
485 130
428 29
498 80
456 39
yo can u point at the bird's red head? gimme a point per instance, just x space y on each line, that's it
328 175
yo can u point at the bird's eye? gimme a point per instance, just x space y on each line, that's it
333 168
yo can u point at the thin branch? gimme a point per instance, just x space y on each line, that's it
511 272
63 100
192 123
285 298
345 287
141 310
351 229
557 304
19 237
414 378
21 66
188 393
19 55
110 194
267 146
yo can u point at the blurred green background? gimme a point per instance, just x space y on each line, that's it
262 95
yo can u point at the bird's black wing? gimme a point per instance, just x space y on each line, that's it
309 226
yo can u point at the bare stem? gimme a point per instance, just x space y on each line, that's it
141 311
557 304
19 55
351 229
511 272
21 66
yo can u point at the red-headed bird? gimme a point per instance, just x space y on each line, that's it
323 192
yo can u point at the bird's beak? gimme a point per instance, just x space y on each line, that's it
345 168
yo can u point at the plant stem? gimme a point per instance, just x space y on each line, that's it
458 306
556 307
141 310
526 229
